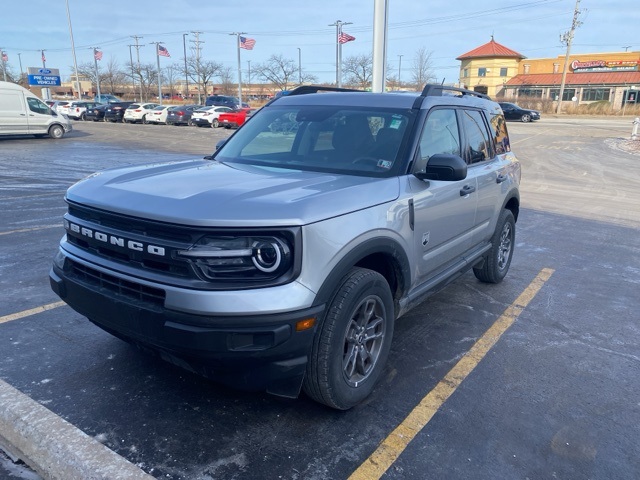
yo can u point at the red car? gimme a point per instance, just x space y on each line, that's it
235 118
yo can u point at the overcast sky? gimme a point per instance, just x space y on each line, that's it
446 28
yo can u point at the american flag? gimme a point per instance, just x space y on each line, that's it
345 37
97 54
163 52
44 59
5 57
247 43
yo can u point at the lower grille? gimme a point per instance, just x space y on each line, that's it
125 288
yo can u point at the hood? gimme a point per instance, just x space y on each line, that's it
209 193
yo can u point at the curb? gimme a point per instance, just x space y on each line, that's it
53 447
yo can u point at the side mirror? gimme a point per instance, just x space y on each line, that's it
221 143
444 167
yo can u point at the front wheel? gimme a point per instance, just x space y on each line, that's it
350 349
496 263
215 123
526 118
56 131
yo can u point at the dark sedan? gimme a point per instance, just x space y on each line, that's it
96 113
181 115
515 112
115 111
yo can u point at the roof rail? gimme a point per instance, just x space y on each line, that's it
304 89
433 89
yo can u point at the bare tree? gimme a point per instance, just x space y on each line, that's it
113 78
358 70
170 75
203 72
227 83
278 71
422 71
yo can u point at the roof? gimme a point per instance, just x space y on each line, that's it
490 49
593 78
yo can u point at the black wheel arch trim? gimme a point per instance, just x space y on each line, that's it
383 246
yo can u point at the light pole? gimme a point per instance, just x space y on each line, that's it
299 66
399 69
20 61
186 72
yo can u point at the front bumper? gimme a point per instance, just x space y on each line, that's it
252 352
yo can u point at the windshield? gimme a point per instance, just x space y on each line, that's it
334 139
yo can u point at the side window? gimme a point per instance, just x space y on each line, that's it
440 135
37 106
500 136
478 144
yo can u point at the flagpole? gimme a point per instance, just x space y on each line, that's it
157 44
237 34
338 24
95 60
73 50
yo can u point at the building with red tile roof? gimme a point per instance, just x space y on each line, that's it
503 73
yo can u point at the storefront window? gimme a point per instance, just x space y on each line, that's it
567 94
594 94
530 92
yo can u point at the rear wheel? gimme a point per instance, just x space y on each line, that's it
350 349
215 123
496 263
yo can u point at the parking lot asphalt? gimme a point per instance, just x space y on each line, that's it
550 390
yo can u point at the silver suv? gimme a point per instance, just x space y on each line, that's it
283 260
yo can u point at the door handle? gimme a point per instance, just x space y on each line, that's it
466 190
501 178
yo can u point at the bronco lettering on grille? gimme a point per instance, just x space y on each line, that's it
114 240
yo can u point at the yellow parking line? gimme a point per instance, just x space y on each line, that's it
32 311
390 449
31 229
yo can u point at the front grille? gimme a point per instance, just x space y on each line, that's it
130 290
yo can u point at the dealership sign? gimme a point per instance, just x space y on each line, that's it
44 77
604 66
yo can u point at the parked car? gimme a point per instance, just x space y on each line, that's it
181 115
78 110
514 112
137 112
208 116
235 118
224 101
106 98
96 113
159 114
282 263
115 111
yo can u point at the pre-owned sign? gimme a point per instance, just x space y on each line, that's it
44 77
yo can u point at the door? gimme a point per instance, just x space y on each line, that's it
39 116
13 114
444 212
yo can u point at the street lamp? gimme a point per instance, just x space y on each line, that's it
399 69
299 66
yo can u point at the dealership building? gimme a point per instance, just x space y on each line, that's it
505 74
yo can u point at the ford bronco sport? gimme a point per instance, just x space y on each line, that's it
282 261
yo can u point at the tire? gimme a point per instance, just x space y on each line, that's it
189 123
525 118
496 263
83 117
56 131
351 347
215 123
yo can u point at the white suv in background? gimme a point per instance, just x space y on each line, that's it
137 112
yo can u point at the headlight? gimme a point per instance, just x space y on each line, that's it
241 258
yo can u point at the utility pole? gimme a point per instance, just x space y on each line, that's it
186 71
299 66
20 61
399 69
137 45
338 24
133 78
197 41
568 38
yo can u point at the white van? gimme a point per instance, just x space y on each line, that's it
22 113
